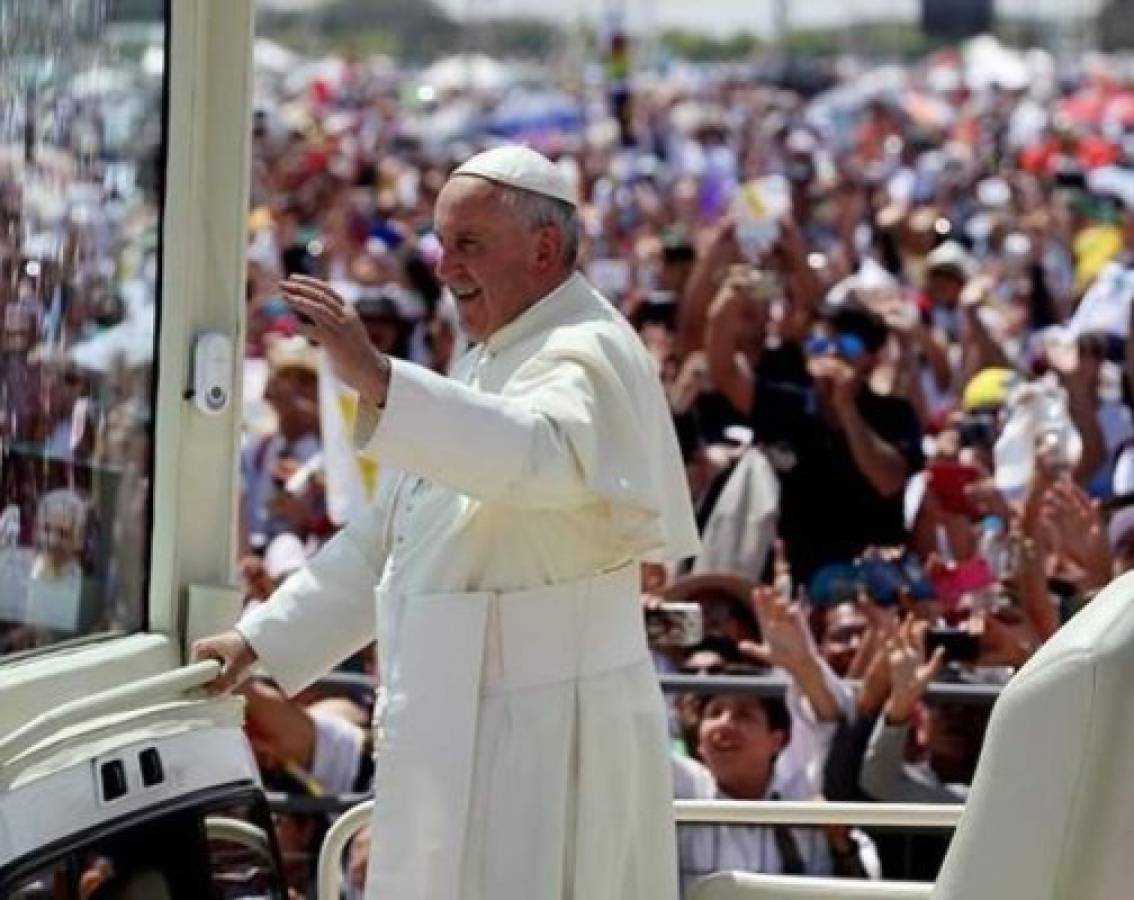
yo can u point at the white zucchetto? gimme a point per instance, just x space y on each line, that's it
523 168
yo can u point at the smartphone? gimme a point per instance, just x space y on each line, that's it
960 645
675 625
948 480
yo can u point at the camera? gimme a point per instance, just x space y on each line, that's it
960 645
675 625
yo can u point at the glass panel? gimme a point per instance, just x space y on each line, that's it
81 161
51 883
214 852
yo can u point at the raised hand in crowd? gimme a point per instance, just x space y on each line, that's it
1075 522
1082 385
910 671
788 643
999 644
981 350
875 686
805 290
734 340
717 251
986 499
871 665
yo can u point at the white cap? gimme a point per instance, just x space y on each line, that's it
523 168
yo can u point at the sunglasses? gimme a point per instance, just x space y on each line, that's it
845 346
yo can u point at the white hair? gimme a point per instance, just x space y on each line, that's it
537 210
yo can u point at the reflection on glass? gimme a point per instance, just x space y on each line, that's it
180 855
81 145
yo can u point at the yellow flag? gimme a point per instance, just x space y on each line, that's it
352 479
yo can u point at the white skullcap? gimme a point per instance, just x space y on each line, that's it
523 168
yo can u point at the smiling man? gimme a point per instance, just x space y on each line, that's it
521 736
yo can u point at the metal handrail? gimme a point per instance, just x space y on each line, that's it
175 684
329 875
775 686
236 831
818 812
761 685
751 886
727 812
306 805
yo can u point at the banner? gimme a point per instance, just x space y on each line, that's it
351 479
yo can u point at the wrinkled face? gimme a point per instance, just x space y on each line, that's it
490 260
737 745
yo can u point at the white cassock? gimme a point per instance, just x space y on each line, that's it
522 749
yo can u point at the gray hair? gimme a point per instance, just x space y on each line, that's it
537 210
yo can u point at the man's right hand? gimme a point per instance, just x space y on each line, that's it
232 651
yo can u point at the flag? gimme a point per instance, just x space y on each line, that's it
351 478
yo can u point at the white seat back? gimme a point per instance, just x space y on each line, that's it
1051 812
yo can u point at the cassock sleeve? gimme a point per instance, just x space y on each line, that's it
528 449
324 612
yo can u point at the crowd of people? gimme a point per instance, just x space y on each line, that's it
892 321
894 334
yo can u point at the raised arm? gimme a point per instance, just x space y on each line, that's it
718 252
737 323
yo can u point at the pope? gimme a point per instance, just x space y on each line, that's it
520 732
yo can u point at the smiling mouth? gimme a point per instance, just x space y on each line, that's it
466 295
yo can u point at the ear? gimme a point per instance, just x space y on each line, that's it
549 249
780 740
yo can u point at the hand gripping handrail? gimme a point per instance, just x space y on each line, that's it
167 686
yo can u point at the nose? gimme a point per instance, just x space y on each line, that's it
725 723
444 266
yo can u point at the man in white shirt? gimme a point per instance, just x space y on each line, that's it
522 738
740 738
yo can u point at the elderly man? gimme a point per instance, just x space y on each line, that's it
521 739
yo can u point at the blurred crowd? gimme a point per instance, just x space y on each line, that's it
893 321
893 324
